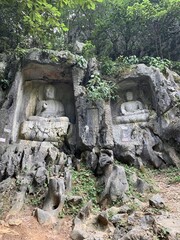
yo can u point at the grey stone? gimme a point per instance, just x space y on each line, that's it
44 130
2 95
41 175
49 122
3 66
78 47
157 201
119 233
55 197
105 158
124 209
91 160
44 218
92 124
118 218
74 200
18 202
14 222
115 183
112 211
5 184
138 233
78 234
84 213
68 179
142 131
147 221
53 202
142 186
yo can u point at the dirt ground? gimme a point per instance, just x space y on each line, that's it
25 227
171 195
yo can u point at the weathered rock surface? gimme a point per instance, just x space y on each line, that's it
44 133
156 201
89 226
143 142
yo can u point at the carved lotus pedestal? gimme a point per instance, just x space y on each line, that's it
48 130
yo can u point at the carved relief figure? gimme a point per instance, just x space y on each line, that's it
49 122
48 108
132 111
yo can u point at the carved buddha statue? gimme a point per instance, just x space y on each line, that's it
48 109
132 111
49 122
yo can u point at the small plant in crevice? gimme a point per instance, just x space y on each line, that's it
4 84
176 68
54 58
100 89
163 233
81 61
20 52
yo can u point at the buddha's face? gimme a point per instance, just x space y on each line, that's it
129 96
50 92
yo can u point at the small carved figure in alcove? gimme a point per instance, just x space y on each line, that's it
132 111
49 122
48 109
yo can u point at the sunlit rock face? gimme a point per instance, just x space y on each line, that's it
146 104
48 102
39 128
48 122
40 105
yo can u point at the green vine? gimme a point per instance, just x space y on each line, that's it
4 83
100 89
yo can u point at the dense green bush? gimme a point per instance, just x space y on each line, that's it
157 62
88 50
111 68
176 67
100 89
4 84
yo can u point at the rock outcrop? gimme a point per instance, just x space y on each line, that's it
47 121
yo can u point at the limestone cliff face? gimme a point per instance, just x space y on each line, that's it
143 140
140 129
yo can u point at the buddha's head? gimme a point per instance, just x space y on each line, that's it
129 96
49 92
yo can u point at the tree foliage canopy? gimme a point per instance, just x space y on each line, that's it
130 27
114 27
39 20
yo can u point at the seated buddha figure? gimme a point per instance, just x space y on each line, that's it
49 122
132 111
48 109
